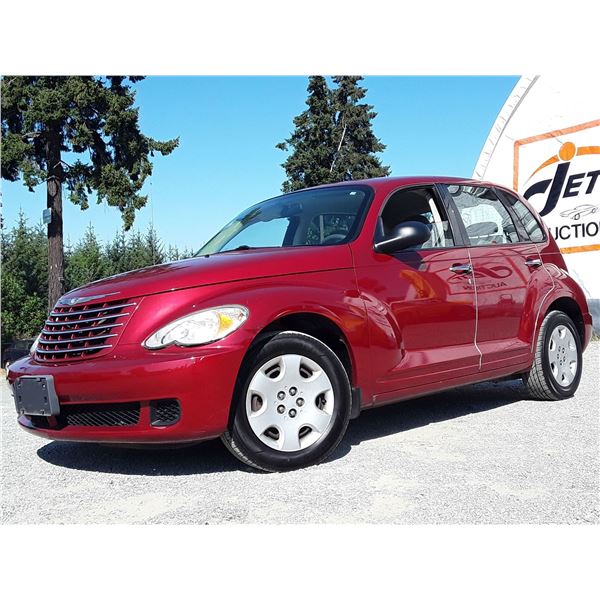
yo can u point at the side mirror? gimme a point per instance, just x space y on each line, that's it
404 235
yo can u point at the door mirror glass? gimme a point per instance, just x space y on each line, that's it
403 236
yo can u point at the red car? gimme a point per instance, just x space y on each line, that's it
304 310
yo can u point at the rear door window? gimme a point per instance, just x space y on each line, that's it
485 218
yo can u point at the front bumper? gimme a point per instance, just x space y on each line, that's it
202 382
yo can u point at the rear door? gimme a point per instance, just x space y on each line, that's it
507 270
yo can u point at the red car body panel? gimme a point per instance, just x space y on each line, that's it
410 325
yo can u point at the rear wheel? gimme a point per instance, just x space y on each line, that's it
558 360
292 404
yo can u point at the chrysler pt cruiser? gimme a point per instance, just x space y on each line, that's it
304 310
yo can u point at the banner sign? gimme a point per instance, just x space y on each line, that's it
563 185
545 144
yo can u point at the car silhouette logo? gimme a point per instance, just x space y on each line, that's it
579 211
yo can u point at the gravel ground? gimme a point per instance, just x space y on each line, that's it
481 454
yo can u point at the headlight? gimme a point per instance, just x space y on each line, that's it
200 327
34 345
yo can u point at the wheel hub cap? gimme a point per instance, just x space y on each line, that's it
562 356
289 403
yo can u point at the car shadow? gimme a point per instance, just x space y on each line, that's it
213 457
204 458
423 411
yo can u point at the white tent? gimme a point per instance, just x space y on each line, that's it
545 144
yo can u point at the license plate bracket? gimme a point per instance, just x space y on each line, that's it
36 395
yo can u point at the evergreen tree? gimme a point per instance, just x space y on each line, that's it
86 261
116 253
24 253
175 253
172 253
25 269
68 252
44 117
24 280
137 252
311 142
333 138
355 144
154 247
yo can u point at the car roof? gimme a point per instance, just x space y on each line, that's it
392 182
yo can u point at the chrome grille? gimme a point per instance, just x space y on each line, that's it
78 332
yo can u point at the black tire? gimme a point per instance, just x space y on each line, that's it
539 381
246 446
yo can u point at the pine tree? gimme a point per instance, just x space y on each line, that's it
86 261
137 252
172 253
333 138
354 140
24 253
24 280
44 117
311 142
24 277
154 247
117 254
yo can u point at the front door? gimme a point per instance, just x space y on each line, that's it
420 302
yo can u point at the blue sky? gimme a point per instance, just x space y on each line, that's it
228 128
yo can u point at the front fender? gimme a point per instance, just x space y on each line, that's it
330 294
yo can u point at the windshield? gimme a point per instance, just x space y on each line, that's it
314 217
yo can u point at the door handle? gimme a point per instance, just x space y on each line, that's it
463 269
534 262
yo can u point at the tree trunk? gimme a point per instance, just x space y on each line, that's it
56 267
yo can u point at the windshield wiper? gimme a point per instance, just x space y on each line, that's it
242 247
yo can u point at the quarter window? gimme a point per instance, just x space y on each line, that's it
529 222
485 218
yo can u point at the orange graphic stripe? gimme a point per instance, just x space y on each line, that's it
545 136
588 150
547 163
573 249
582 150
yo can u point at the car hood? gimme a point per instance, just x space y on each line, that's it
216 268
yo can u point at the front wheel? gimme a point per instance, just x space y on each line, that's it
293 402
558 360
